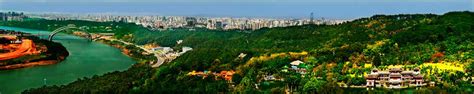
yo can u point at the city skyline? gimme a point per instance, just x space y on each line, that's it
337 9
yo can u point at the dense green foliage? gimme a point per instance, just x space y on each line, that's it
114 82
335 53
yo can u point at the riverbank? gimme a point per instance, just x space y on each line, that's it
129 50
52 56
85 59
29 64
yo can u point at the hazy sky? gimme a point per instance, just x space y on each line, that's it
242 8
235 1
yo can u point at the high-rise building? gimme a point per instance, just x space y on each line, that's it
219 25
3 17
191 21
311 18
11 16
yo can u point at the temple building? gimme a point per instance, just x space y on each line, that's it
394 78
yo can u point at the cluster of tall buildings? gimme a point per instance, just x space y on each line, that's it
11 16
167 22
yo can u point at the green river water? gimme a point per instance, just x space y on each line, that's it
85 60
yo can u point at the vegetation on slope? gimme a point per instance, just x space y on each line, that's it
337 55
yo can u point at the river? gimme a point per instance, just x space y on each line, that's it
85 60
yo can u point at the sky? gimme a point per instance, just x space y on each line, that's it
232 0
337 9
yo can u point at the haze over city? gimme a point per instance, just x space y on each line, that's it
336 9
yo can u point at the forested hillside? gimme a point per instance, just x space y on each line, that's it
334 55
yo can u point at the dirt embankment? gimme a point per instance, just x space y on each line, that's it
26 47
29 64
121 47
54 53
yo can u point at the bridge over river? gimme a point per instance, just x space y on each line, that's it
85 60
